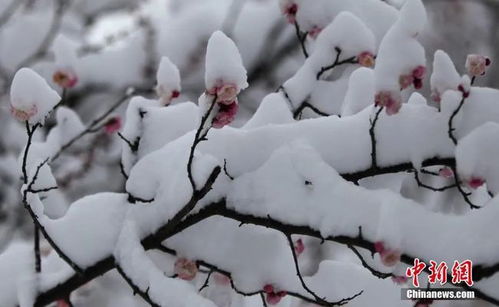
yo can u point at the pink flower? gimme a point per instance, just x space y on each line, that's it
475 182
419 72
185 269
273 297
446 172
314 32
289 9
366 59
405 81
23 115
390 257
418 83
221 279
112 125
227 93
435 96
399 280
393 106
388 100
465 91
225 115
299 247
65 77
268 288
165 95
476 64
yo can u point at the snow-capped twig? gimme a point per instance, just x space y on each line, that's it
372 134
34 217
337 62
304 285
200 136
136 289
423 185
364 263
303 106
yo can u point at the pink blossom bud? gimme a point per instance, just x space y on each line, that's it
221 279
463 90
390 257
446 172
282 293
289 9
405 81
299 247
435 96
226 114
166 95
475 182
268 288
476 64
113 125
185 269
419 72
379 247
393 106
65 77
24 115
366 59
418 83
389 100
314 32
227 93
399 280
273 298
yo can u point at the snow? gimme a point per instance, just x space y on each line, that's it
30 91
64 52
475 154
69 125
133 260
323 207
444 76
399 52
16 263
338 34
360 93
168 80
89 230
224 63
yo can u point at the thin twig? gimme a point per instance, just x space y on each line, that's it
136 289
198 138
423 185
304 285
93 124
372 134
373 271
302 37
